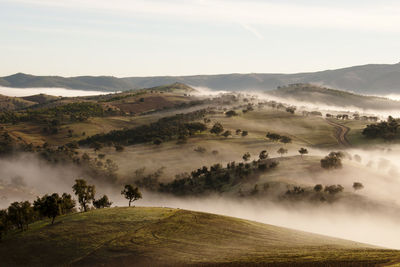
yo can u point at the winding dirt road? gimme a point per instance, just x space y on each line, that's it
340 133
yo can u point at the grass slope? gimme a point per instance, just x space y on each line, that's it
155 236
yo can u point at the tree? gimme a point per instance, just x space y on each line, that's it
217 128
332 161
21 214
303 151
318 188
96 146
119 148
157 141
285 139
238 131
245 133
263 154
357 186
231 113
103 202
4 223
48 206
67 204
131 193
273 136
282 151
246 156
227 133
84 192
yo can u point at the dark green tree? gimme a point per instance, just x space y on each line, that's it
84 192
103 202
217 128
131 193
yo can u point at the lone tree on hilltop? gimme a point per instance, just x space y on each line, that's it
131 193
217 128
303 151
357 186
282 151
84 192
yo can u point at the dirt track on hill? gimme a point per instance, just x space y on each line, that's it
340 133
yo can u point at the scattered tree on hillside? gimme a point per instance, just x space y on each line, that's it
231 113
21 214
357 186
53 205
131 193
227 133
103 202
334 189
263 155
217 128
84 192
318 188
303 151
285 140
332 161
273 136
246 156
282 151
245 133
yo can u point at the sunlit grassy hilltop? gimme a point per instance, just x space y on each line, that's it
164 236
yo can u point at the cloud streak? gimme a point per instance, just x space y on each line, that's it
366 17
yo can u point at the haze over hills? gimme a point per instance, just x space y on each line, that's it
367 79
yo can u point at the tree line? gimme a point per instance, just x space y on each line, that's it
19 215
165 129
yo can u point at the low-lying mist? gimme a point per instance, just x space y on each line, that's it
24 177
55 91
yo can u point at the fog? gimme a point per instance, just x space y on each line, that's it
19 92
370 215
373 218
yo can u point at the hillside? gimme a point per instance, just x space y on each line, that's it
98 83
366 79
321 95
164 236
8 103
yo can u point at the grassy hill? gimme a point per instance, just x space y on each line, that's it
371 79
321 95
8 103
164 236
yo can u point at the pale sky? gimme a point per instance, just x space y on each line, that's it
175 37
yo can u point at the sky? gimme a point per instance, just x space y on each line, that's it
127 38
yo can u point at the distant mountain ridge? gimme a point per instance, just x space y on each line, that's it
365 79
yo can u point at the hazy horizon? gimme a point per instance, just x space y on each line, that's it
168 38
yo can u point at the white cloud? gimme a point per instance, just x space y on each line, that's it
366 17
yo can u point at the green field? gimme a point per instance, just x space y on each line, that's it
164 236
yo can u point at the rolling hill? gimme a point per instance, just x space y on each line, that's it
165 236
366 79
309 93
